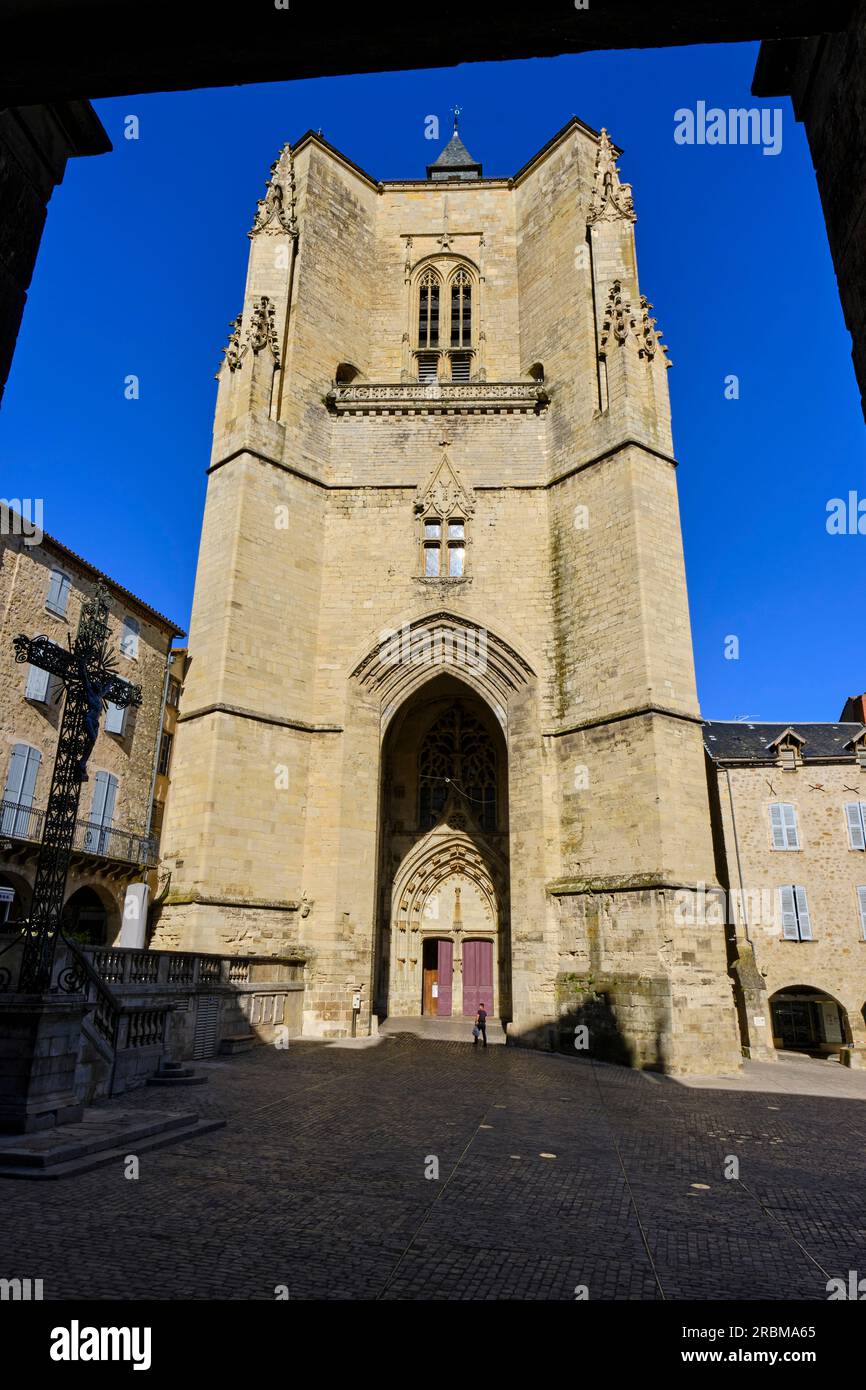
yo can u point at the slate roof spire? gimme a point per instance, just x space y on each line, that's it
455 161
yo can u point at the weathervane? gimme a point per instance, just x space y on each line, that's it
455 111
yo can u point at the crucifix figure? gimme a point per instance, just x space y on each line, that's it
89 679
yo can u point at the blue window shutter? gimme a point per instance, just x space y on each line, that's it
100 792
110 798
37 684
16 772
58 592
31 772
861 895
20 787
101 813
777 825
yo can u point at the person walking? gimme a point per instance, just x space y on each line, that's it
480 1029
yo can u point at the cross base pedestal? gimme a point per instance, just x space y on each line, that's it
40 1036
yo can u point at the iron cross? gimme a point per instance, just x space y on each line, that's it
89 678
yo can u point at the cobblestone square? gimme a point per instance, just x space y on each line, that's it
554 1174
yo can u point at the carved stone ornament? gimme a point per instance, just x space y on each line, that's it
649 338
262 332
445 495
611 200
619 323
618 319
275 214
234 352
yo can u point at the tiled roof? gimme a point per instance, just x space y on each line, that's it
737 741
54 544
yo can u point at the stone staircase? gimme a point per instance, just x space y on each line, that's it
103 1135
175 1074
442 1029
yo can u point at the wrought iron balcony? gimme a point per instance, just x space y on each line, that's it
26 824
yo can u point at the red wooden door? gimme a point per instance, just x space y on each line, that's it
477 977
446 971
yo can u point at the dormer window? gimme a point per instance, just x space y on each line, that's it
788 748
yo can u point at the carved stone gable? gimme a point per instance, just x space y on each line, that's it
445 494
275 214
611 200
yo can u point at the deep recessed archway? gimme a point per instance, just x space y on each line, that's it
808 1020
443 854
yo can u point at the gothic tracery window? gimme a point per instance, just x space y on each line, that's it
445 326
457 753
428 310
461 309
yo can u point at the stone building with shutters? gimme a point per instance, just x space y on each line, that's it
789 821
440 732
43 585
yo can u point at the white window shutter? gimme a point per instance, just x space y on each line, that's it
792 837
803 918
854 814
861 895
129 637
37 684
788 913
115 718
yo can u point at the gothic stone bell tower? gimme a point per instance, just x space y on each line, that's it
440 730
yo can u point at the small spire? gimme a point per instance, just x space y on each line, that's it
455 161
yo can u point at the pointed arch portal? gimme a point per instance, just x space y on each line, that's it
444 928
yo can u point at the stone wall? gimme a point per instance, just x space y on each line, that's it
830 871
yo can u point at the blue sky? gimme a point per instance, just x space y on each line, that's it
142 266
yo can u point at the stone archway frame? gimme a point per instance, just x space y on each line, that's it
113 909
446 851
441 643
800 984
385 676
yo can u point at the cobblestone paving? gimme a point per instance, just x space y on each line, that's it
553 1173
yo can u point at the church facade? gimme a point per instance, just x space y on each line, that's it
440 731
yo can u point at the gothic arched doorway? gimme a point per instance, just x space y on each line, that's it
444 857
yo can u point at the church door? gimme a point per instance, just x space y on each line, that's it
446 971
438 972
477 976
